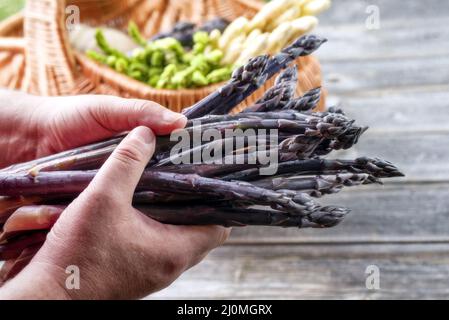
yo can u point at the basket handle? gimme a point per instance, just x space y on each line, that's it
49 60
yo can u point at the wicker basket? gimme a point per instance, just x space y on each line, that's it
12 57
44 63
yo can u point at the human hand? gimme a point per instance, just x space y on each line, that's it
32 126
120 252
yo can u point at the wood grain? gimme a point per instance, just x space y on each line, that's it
348 77
395 80
401 111
344 12
421 156
393 213
395 39
412 271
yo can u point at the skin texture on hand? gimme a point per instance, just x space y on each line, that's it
120 253
33 126
18 136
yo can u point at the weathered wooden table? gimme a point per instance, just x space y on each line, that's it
395 79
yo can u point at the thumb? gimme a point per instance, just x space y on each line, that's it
123 170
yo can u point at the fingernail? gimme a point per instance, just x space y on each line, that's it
143 134
172 117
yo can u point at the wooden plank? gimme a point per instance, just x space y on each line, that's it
420 156
354 11
382 77
316 272
349 77
407 110
407 213
394 40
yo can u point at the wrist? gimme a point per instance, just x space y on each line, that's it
36 282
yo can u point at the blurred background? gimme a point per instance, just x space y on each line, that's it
386 63
393 76
9 7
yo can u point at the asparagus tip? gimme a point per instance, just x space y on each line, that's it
378 168
327 217
307 44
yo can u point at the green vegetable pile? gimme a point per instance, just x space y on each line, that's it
165 63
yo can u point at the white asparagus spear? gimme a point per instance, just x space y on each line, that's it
269 12
234 50
279 37
214 37
257 47
252 37
300 27
315 7
288 15
237 28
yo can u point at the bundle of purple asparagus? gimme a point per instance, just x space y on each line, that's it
238 193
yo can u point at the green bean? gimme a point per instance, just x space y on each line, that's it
167 74
164 63
214 57
111 60
199 62
135 34
105 47
219 75
121 65
154 80
199 79
97 56
157 59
